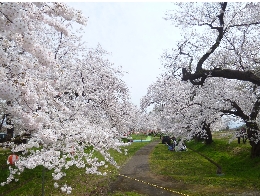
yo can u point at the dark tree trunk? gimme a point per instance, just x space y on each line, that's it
206 127
2 122
198 138
252 132
238 139
10 132
255 149
244 139
209 139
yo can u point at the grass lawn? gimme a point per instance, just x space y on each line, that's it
198 176
193 174
30 181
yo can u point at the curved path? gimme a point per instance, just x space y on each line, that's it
135 176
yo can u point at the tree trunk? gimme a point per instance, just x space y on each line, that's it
209 139
206 127
255 149
10 132
252 133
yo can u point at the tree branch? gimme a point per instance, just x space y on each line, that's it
219 38
245 24
255 110
238 112
222 73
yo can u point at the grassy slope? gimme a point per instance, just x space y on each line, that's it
198 176
194 174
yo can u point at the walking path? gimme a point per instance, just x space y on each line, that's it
135 176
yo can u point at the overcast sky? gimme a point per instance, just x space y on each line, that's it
135 34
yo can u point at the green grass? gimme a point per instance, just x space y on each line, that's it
30 181
191 173
139 136
128 194
240 172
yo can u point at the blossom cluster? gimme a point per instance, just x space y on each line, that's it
185 111
69 98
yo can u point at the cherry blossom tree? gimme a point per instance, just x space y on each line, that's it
181 111
194 111
136 118
68 97
220 42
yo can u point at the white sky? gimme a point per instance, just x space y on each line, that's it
135 34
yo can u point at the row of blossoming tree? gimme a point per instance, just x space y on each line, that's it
66 96
213 71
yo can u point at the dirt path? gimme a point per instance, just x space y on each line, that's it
135 176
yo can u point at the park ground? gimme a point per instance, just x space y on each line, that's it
189 172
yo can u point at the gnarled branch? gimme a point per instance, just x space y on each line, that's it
221 73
